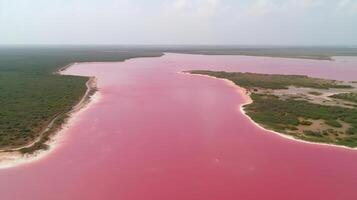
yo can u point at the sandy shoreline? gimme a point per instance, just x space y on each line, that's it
248 100
14 158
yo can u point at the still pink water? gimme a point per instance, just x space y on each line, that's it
156 134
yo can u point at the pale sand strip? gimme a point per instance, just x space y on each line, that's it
15 158
246 95
12 159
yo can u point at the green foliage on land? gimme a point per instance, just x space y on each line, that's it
272 81
279 114
283 115
306 123
351 97
31 95
31 101
315 93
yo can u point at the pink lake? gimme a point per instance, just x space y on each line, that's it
156 134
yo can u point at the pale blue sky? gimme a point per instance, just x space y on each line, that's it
235 22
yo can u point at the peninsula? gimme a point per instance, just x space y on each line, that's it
310 109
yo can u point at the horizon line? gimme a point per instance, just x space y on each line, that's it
183 45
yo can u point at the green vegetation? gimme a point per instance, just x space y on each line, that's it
33 101
284 114
272 81
315 93
351 97
279 114
333 123
321 53
31 96
306 123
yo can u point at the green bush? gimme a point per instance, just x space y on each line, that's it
334 123
305 123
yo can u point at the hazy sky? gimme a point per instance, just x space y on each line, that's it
245 22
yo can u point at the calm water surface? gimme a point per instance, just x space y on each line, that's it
156 134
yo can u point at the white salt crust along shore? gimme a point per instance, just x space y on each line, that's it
15 158
248 100
12 159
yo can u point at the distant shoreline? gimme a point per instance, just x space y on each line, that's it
327 58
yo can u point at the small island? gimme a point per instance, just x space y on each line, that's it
309 109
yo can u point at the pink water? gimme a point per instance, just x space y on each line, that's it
159 135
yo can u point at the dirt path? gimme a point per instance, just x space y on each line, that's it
91 87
